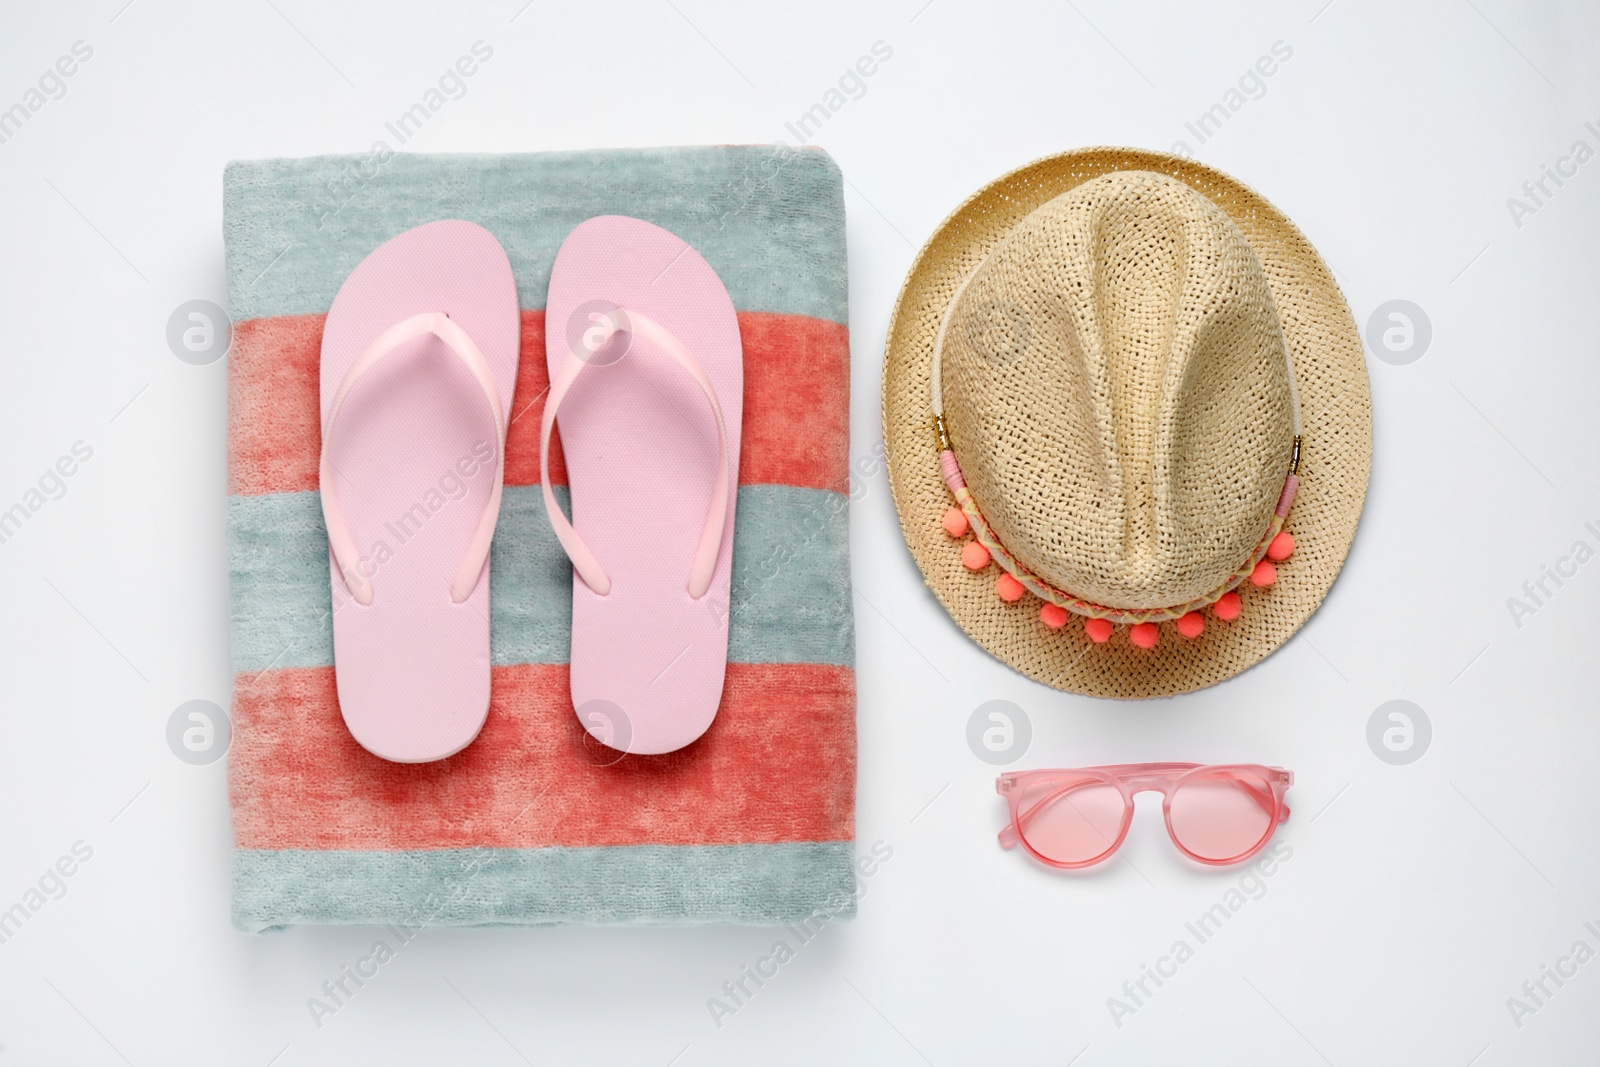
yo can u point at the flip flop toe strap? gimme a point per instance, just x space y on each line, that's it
345 551
583 559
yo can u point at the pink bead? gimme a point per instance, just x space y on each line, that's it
1192 625
1227 607
974 556
1009 588
1145 635
1264 574
1053 616
1282 547
1099 630
955 522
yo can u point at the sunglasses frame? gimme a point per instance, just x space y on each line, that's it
1130 779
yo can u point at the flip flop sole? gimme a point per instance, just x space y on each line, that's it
640 443
414 466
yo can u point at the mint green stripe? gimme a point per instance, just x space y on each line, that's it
769 219
790 594
755 884
530 582
789 599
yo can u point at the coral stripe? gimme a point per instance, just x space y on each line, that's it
522 439
796 424
274 409
796 402
778 764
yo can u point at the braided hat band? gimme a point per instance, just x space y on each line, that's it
1260 568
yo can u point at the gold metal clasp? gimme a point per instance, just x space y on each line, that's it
944 438
1294 457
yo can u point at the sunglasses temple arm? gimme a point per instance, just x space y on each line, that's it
1263 797
1012 833
1009 837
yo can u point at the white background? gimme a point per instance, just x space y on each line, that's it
1418 898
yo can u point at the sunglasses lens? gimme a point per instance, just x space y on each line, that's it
1072 822
1221 817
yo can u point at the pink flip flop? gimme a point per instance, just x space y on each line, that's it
647 374
419 358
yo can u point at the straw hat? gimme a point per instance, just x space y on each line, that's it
1154 425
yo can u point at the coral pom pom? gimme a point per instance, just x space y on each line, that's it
1264 574
1009 588
1192 624
1227 607
1099 630
955 523
1282 547
1053 616
974 557
1145 635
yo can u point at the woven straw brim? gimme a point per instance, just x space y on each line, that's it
1336 407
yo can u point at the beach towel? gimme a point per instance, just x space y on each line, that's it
534 823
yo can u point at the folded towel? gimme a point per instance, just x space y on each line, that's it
753 823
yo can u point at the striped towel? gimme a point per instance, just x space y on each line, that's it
753 823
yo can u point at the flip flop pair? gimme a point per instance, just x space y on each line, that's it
419 361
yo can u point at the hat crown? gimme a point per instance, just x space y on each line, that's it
1117 392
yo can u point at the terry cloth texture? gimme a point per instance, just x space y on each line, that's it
533 823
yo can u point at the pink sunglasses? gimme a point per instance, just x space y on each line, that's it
1076 818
